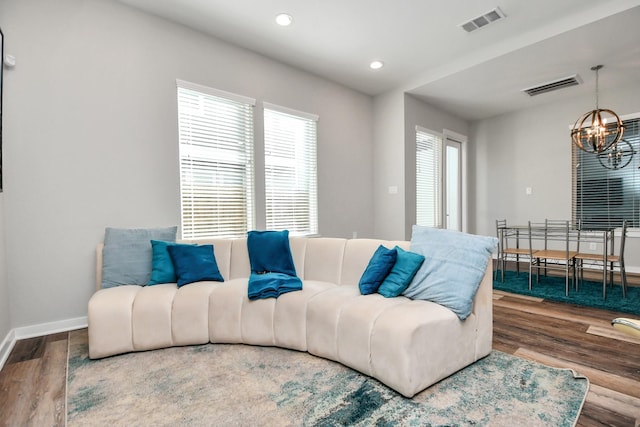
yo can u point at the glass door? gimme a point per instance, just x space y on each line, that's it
453 185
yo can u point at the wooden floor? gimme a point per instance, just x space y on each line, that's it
32 382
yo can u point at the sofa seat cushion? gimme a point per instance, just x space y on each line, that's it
151 317
225 311
356 321
417 343
323 315
290 315
233 318
190 313
109 318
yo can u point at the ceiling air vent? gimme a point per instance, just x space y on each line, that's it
554 85
483 20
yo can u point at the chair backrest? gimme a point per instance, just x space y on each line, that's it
622 240
560 229
537 231
501 224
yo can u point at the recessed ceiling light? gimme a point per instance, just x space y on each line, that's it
284 19
376 65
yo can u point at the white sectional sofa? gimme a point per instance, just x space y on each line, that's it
406 344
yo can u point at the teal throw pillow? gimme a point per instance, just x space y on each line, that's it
402 273
194 264
162 270
454 266
269 252
126 256
378 268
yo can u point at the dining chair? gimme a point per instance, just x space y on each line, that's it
607 262
551 258
551 226
505 251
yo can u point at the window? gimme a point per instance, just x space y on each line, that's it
428 177
216 162
290 170
604 192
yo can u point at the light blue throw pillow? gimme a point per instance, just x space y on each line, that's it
454 266
402 273
379 266
194 263
126 256
162 270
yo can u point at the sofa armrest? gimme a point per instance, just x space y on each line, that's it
483 310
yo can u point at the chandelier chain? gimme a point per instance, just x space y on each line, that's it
597 69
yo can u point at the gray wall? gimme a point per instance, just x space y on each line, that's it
419 113
388 166
396 115
91 139
532 148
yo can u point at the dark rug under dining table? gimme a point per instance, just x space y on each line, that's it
589 293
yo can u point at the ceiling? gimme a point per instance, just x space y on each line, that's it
426 53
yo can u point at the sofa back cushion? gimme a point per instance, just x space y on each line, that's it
323 259
357 253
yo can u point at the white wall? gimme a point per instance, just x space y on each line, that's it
532 148
90 138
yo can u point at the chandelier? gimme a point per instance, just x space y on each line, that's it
597 130
617 156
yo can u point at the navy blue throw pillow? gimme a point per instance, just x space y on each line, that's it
194 264
380 265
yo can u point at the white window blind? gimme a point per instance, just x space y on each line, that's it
291 193
216 162
428 178
604 192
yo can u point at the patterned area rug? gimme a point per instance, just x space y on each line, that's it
588 294
238 385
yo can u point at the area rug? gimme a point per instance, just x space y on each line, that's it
588 294
241 385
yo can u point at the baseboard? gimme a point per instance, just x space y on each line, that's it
37 331
50 328
6 347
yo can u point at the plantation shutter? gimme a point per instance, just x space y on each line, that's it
216 162
291 193
606 186
428 177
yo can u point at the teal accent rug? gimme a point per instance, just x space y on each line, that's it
588 294
240 385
